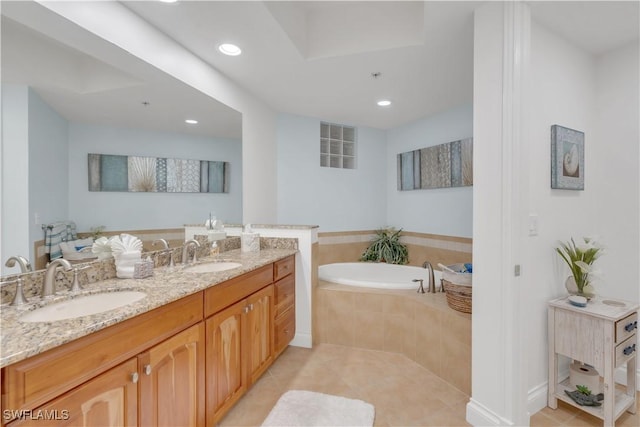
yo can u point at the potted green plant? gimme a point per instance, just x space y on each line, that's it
580 259
386 247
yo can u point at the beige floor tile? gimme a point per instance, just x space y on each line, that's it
403 392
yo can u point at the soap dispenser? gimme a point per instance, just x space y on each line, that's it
215 250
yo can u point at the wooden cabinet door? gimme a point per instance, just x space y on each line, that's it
226 366
260 332
108 400
172 381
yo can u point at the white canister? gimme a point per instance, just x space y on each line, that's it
250 242
585 375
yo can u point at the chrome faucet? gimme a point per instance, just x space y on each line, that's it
432 280
48 286
164 243
185 251
25 266
165 246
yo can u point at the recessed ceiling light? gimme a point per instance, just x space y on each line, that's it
169 1
229 49
384 103
191 121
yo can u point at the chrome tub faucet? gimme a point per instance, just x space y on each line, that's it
163 242
432 280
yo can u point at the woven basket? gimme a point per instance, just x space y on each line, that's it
458 296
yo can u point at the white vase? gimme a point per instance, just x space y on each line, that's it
570 284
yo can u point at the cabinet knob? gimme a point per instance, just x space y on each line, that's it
147 369
631 326
627 351
250 307
245 310
134 377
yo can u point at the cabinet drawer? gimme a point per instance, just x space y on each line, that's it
626 350
227 293
283 267
285 294
626 327
285 329
36 380
114 392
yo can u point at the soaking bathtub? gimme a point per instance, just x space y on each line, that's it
376 275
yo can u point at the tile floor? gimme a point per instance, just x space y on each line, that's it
403 392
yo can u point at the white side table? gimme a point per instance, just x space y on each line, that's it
603 335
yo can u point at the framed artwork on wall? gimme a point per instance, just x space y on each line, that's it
439 166
108 172
567 158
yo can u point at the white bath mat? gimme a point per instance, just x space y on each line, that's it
307 408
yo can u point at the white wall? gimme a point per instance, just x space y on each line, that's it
121 210
15 174
563 93
492 394
48 167
335 199
618 183
598 96
446 211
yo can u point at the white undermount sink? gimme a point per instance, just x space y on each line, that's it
212 267
82 306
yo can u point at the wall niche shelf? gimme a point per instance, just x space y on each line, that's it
337 146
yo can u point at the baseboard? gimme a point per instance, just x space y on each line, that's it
480 415
301 340
537 398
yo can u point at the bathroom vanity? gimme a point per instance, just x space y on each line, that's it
185 361
604 335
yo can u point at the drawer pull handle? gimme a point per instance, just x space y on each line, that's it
631 326
134 377
627 351
147 369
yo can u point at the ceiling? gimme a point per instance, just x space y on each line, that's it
316 58
113 88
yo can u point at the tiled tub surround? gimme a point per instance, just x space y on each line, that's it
22 340
349 246
420 326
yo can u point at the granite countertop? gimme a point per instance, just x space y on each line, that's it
20 340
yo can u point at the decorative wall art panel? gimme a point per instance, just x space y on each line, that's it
567 158
109 172
438 166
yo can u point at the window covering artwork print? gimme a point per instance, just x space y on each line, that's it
439 166
108 172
